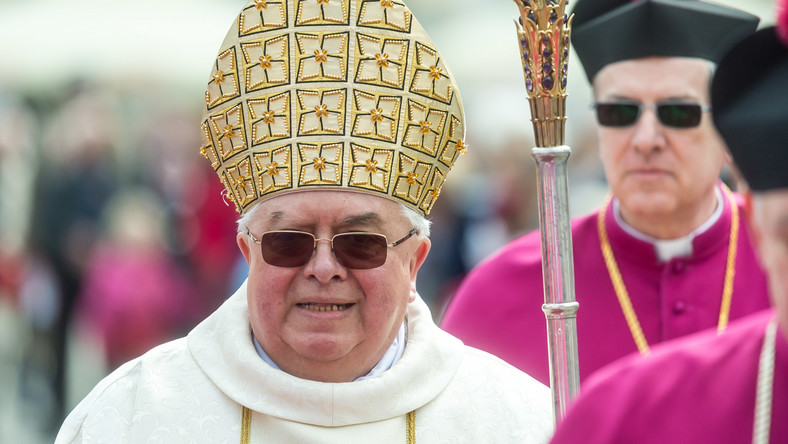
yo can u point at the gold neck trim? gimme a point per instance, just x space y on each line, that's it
621 290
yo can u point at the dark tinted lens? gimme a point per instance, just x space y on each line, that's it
617 114
287 249
679 115
360 251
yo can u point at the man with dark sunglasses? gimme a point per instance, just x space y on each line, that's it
708 388
332 125
668 253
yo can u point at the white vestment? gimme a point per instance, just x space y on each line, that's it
191 391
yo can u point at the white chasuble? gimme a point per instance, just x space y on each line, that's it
192 390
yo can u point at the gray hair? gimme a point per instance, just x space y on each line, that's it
414 217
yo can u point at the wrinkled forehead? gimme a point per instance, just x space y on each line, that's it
335 208
655 78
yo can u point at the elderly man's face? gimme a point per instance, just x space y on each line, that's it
322 321
770 231
653 169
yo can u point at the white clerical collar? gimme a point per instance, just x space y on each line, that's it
667 249
390 358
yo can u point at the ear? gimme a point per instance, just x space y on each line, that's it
243 244
418 259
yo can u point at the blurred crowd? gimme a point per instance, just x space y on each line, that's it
111 226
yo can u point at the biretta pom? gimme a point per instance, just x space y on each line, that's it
782 21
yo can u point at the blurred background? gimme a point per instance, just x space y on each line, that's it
113 235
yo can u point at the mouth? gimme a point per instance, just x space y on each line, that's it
324 307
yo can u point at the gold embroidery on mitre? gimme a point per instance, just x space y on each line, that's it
263 15
371 167
228 132
454 145
424 128
375 116
208 149
430 78
384 14
240 177
288 94
270 118
320 164
273 168
321 112
224 80
322 57
410 178
322 12
381 61
433 190
266 62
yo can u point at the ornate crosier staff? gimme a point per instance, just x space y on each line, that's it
544 33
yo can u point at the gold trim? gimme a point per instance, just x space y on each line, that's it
621 290
410 420
246 424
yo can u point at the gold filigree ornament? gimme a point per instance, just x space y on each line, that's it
544 31
331 94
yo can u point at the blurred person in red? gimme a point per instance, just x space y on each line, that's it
668 253
200 222
731 388
135 296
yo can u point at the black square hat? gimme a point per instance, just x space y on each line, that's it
749 96
608 31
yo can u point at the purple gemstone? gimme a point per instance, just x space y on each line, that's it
528 70
529 85
553 17
525 55
523 42
546 41
531 16
566 40
566 52
548 83
565 69
547 53
563 83
547 68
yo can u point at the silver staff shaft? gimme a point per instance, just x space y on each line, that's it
544 33
560 307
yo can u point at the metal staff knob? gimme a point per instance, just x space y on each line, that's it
544 31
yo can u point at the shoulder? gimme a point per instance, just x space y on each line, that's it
688 357
134 391
638 393
497 379
499 393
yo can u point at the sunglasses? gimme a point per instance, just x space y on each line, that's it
357 251
671 114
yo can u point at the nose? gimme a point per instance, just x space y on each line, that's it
649 134
323 265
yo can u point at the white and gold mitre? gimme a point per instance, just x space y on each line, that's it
331 94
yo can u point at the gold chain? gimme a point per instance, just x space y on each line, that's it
246 426
621 290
